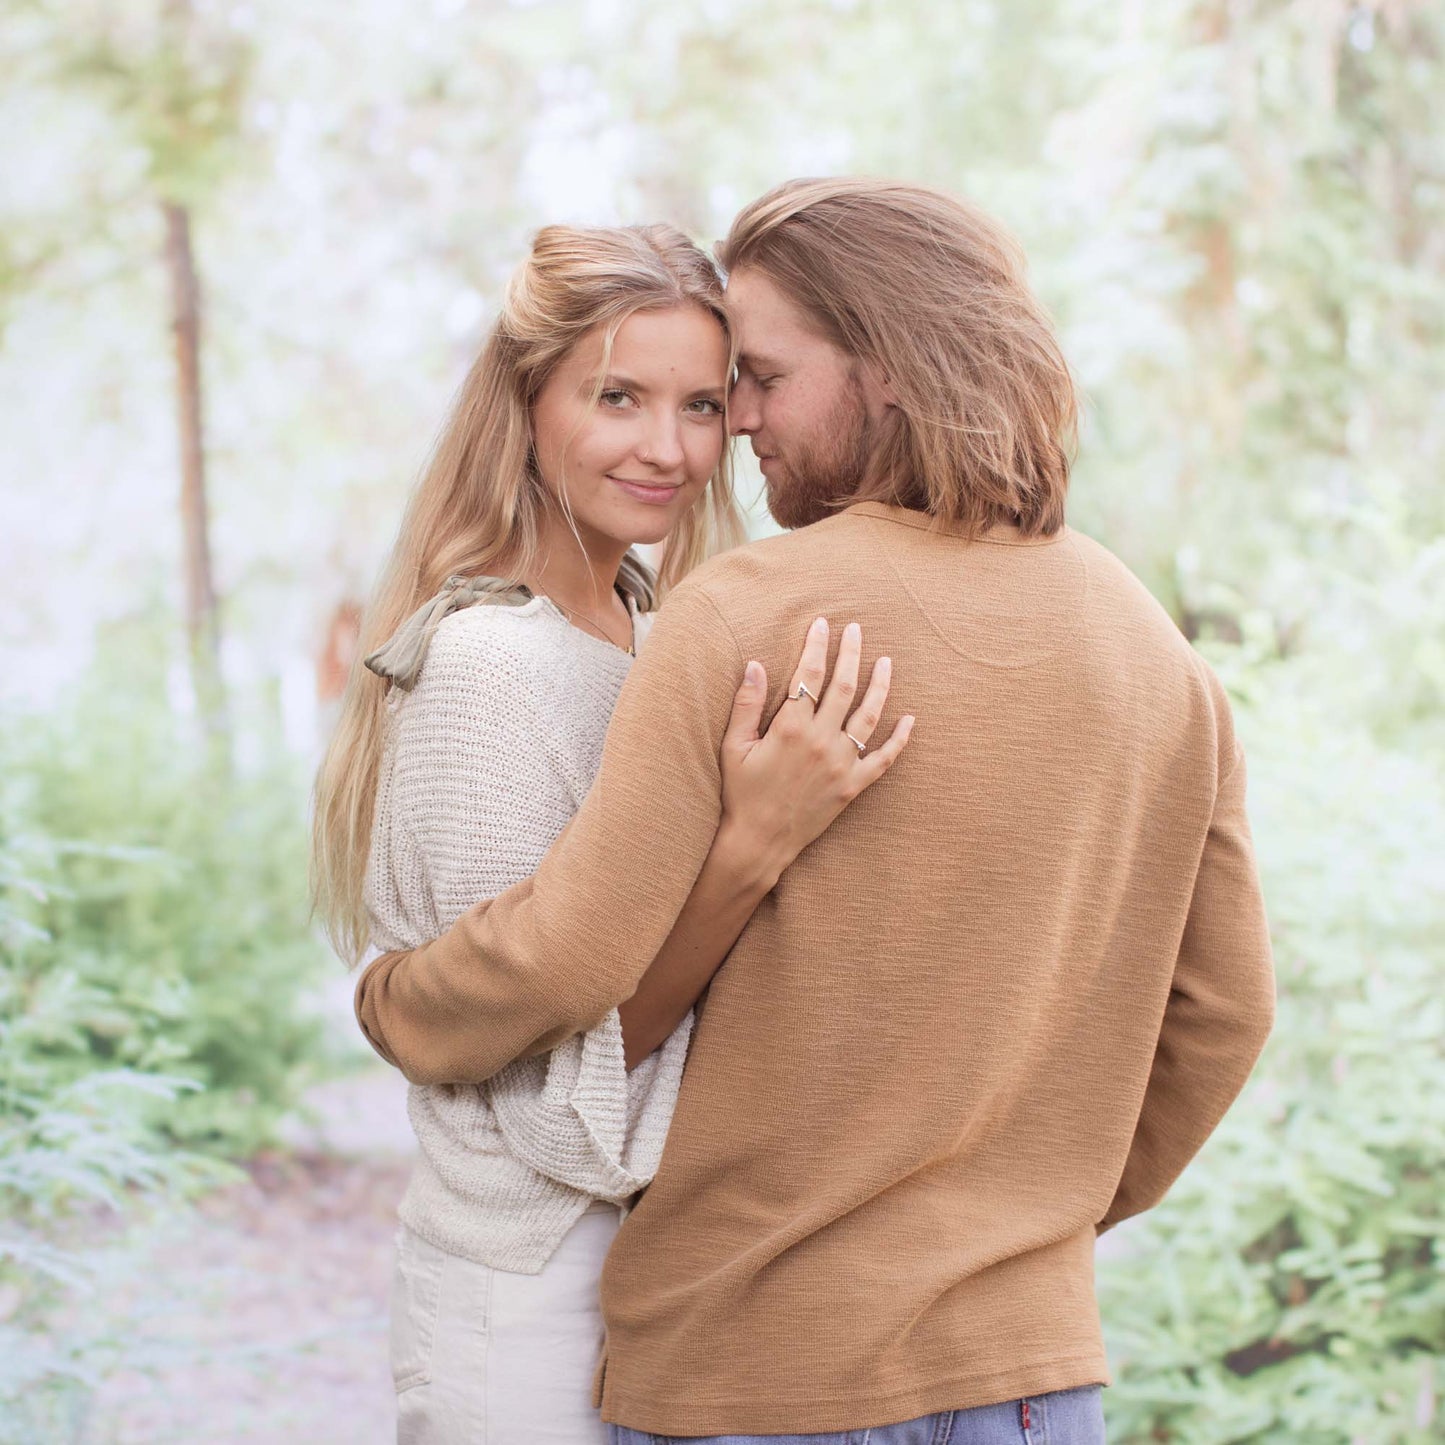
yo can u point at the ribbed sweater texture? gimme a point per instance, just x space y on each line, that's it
487 759
995 1009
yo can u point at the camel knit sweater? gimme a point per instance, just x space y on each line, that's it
487 759
997 1007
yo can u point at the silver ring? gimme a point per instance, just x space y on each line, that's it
862 747
802 692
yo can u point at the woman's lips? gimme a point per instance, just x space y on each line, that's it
658 496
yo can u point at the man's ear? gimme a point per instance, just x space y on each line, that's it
880 385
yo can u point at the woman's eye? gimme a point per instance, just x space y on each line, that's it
706 406
614 397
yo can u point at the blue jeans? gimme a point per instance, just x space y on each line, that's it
1065 1417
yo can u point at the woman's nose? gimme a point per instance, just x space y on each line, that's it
662 446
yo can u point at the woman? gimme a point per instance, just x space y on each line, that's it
593 421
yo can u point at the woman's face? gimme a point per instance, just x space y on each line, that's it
633 465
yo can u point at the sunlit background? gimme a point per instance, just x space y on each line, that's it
1236 212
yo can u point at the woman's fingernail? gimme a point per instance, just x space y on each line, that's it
853 632
885 664
752 674
820 624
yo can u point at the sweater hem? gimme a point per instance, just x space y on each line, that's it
871 1411
527 1251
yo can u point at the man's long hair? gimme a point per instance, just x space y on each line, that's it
932 293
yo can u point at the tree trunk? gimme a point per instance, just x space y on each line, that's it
202 624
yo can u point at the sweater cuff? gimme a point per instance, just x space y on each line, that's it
631 1143
591 1125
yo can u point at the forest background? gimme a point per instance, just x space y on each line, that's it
246 252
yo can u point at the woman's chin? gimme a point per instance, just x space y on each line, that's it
638 524
648 530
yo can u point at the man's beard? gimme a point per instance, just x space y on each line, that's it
829 467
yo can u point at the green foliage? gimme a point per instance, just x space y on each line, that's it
153 959
1292 1286
174 933
174 82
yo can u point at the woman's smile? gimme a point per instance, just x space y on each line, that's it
655 493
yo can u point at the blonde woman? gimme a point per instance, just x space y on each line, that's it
593 421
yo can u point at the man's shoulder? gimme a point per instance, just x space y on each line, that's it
1101 558
738 572
1155 638
1114 587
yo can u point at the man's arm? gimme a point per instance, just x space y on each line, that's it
1221 1002
550 957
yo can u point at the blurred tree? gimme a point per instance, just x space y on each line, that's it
172 83
201 616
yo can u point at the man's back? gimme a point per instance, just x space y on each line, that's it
915 1084
998 1005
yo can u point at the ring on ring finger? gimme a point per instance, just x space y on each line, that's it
803 691
862 747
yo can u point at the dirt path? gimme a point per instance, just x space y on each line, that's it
261 1318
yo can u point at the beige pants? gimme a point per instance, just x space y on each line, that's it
483 1357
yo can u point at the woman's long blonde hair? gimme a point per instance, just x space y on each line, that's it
479 505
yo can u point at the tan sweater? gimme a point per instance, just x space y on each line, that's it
999 1005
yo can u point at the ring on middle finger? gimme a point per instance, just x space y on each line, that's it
862 747
803 691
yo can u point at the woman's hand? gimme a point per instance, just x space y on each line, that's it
779 793
781 790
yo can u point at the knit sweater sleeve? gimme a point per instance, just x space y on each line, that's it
479 788
555 954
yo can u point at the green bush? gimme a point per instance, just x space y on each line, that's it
154 957
1292 1286
175 921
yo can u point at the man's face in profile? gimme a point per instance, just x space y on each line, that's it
800 400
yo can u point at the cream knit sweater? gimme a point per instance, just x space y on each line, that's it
487 759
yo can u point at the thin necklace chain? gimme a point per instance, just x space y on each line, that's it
630 649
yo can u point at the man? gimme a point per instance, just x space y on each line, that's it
1002 1002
